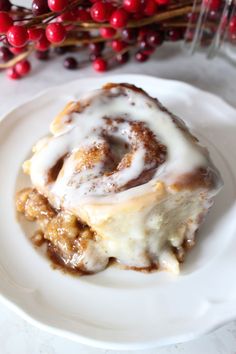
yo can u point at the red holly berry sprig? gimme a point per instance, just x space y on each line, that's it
109 30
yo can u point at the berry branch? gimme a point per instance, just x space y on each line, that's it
109 31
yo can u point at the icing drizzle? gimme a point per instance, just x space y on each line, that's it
115 140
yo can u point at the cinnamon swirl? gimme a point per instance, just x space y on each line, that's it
119 178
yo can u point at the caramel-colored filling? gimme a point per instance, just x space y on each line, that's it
112 154
64 234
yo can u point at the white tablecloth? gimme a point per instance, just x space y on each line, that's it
219 77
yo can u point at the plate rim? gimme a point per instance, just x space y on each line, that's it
100 344
149 77
12 305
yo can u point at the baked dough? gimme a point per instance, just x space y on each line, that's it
131 173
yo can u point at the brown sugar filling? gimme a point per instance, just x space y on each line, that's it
62 232
66 236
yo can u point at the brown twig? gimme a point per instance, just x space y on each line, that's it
181 4
173 16
176 24
159 17
75 41
16 59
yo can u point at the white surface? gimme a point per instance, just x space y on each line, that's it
217 76
131 309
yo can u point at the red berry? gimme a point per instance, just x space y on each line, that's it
12 74
174 35
57 5
17 36
43 44
145 46
155 38
23 67
100 64
67 16
132 5
101 11
94 56
138 15
5 22
35 33
70 63
163 2
42 55
83 15
214 15
55 32
232 25
96 48
213 5
119 18
118 45
129 35
143 32
148 51
150 8
40 7
16 50
5 5
188 37
107 32
5 54
192 16
122 58
141 57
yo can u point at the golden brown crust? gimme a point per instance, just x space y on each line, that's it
69 240
63 233
66 236
200 178
33 205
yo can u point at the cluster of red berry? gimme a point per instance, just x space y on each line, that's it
110 30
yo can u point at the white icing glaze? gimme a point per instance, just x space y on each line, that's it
183 155
139 225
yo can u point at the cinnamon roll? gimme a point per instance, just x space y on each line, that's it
119 177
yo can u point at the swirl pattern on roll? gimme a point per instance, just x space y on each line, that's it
131 172
112 140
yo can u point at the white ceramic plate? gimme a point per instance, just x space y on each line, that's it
117 308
